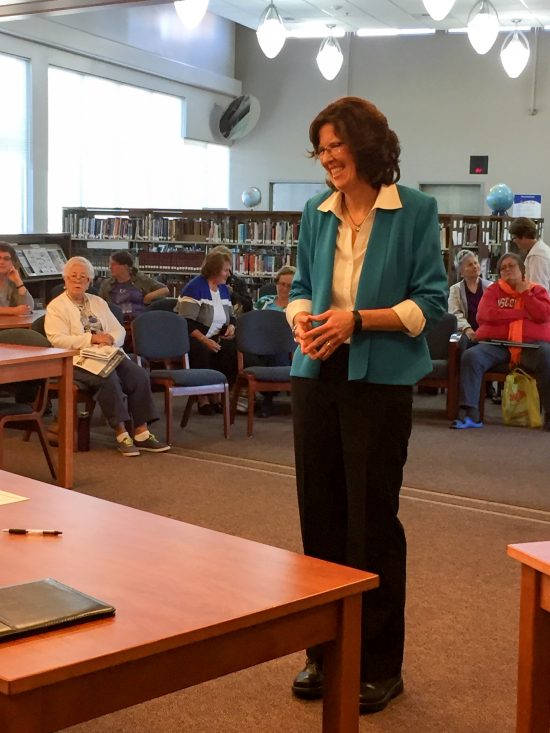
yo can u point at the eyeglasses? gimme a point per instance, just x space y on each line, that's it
332 148
78 276
511 266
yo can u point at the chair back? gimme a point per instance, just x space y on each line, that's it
60 288
439 335
38 325
264 333
23 337
158 335
268 289
116 310
162 304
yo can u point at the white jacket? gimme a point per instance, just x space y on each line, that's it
458 304
64 328
537 264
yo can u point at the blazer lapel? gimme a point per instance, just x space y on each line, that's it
375 259
323 263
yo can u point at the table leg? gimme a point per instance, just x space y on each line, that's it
341 661
66 428
533 704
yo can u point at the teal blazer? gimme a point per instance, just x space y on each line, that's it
403 261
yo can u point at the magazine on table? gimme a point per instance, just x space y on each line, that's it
99 360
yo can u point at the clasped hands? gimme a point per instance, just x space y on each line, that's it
320 341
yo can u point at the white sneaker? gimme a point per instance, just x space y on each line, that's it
242 405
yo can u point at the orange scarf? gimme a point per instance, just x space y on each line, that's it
515 329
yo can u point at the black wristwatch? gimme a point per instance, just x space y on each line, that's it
357 322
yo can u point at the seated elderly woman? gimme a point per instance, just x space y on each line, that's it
76 320
278 301
206 304
128 288
464 296
512 309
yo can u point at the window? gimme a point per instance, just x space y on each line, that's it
14 144
113 145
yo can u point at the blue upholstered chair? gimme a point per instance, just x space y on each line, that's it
263 333
159 336
443 343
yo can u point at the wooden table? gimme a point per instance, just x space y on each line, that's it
192 604
22 363
533 705
17 321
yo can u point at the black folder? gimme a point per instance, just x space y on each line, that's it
45 604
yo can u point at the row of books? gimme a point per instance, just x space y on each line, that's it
258 264
156 228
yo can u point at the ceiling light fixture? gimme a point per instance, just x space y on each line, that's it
191 12
438 9
271 32
483 26
330 57
514 53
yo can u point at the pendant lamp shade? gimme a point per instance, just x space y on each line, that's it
514 53
271 32
330 58
191 12
483 26
438 9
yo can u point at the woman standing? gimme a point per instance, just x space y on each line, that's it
464 296
15 299
206 304
370 277
128 288
76 320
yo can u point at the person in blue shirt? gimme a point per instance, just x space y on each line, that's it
277 301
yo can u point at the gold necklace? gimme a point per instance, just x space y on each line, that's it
357 227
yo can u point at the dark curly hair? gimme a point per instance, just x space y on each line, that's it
364 129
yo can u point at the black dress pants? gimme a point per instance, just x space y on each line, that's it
351 441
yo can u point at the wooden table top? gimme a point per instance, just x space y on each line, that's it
20 321
534 554
17 354
172 583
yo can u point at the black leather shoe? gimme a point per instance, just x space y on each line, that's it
374 696
308 684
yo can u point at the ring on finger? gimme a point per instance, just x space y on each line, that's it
327 344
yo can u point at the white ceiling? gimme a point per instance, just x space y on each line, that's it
349 15
346 15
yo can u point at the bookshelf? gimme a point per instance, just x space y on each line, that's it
41 258
487 236
172 243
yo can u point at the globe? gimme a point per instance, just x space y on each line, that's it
499 199
251 197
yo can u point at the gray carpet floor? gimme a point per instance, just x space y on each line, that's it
466 496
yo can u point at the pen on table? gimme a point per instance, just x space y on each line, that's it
49 532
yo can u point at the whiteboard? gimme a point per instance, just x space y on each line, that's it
291 196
